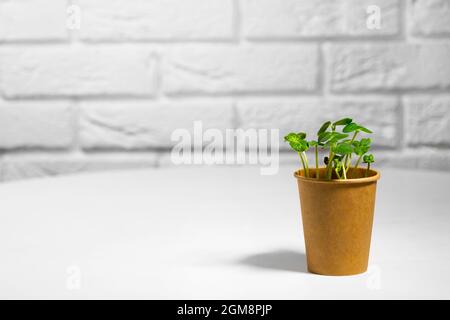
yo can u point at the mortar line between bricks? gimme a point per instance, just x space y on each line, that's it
81 97
393 92
225 97
33 42
441 39
337 39
211 42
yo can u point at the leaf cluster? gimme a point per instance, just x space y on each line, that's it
339 140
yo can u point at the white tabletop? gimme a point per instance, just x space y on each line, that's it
207 233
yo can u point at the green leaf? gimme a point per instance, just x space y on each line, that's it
324 136
300 146
368 158
362 147
293 137
324 128
297 142
313 143
342 122
343 148
336 136
366 141
363 129
350 127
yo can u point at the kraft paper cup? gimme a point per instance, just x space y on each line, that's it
337 220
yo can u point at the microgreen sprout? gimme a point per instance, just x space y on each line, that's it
368 159
340 147
298 143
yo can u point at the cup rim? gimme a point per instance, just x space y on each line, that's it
375 176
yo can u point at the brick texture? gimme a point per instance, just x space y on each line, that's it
109 94
142 125
156 19
429 17
36 125
34 20
16 166
231 69
428 120
80 71
316 18
371 67
307 114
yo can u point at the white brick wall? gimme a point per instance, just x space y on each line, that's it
50 71
146 125
240 69
108 95
388 67
316 18
36 124
122 20
429 17
28 20
288 113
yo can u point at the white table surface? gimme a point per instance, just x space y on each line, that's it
207 233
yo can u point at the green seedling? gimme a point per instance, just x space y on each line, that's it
322 137
361 148
298 143
338 166
368 159
339 145
356 129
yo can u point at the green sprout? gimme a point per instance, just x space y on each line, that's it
356 129
322 137
298 143
338 144
368 159
361 148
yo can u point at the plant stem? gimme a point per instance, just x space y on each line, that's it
348 163
354 136
337 173
348 157
329 162
330 166
317 162
358 162
344 172
368 168
304 165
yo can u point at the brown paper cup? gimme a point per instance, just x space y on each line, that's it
337 220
